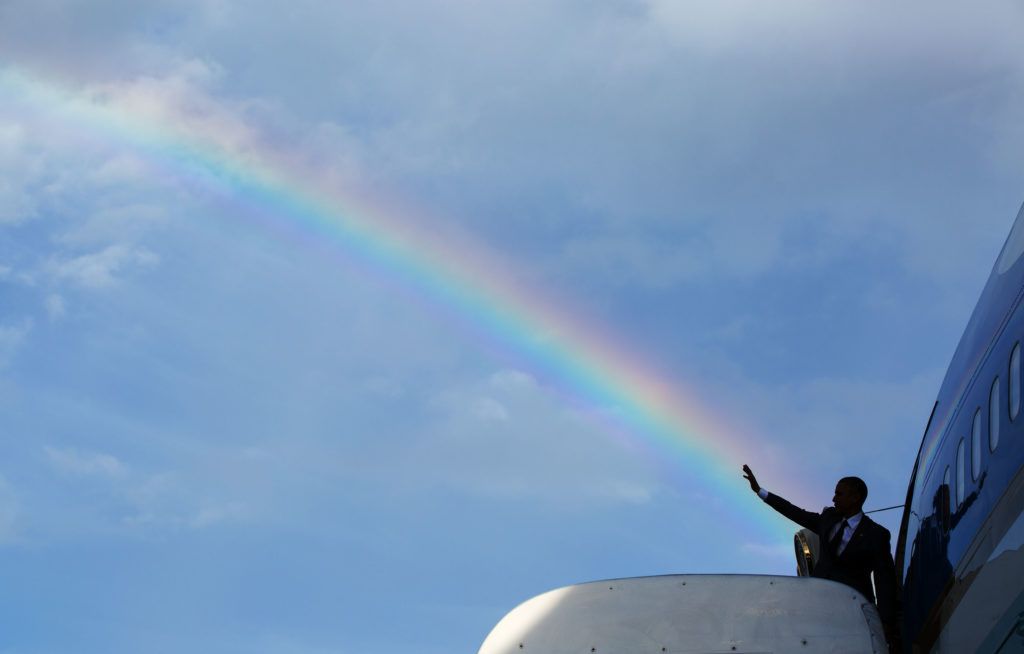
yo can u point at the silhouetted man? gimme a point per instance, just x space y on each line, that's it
852 545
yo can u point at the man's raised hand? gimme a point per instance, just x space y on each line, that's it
748 474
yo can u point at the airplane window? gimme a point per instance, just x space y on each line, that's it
960 474
993 416
1015 382
976 446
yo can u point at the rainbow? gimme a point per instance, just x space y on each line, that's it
574 358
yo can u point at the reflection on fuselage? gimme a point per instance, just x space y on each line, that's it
960 540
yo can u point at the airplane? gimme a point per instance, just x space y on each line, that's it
959 551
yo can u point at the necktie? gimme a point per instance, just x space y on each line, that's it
837 540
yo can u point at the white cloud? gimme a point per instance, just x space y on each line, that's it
489 409
72 462
122 168
697 145
122 220
179 103
100 270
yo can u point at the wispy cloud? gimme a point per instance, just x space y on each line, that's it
55 306
208 516
489 409
86 464
505 436
12 337
102 269
167 502
17 205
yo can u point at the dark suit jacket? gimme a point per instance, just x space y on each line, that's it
867 552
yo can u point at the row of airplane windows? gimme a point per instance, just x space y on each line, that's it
1013 404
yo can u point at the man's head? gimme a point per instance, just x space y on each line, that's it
850 495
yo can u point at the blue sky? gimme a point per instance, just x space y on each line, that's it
217 438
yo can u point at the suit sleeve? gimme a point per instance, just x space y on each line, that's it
803 518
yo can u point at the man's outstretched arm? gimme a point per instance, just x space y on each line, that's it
803 518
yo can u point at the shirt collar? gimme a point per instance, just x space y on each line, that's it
853 521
